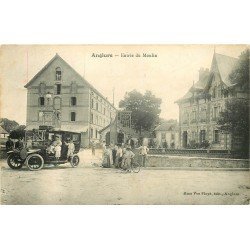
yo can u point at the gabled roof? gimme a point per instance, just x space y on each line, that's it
3 131
221 63
84 80
225 65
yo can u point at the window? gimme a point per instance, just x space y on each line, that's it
58 74
92 118
216 136
202 136
96 106
41 101
96 120
215 114
73 116
163 135
172 136
214 92
92 103
58 89
96 133
91 133
73 101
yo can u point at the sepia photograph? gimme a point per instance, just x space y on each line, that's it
124 124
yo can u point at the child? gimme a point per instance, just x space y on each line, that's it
127 159
57 151
71 148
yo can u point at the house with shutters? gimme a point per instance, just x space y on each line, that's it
200 107
58 96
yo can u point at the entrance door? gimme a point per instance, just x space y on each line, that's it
184 139
107 138
120 138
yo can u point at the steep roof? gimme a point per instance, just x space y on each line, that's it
84 80
225 65
3 131
221 63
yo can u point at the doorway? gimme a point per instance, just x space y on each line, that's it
184 139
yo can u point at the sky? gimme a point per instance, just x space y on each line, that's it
168 76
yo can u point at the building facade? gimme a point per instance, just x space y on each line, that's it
167 134
60 97
200 107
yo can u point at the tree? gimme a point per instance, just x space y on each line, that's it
19 132
235 120
145 109
240 74
8 125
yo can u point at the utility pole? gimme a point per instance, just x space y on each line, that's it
113 96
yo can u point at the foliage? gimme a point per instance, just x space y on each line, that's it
8 125
235 119
145 109
240 74
19 132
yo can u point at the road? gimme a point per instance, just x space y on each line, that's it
90 184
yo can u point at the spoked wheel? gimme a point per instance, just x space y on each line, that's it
34 162
74 161
135 167
14 161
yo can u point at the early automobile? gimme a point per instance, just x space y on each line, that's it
37 149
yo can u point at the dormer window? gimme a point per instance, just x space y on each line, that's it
58 74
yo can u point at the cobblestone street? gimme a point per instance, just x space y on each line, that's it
90 184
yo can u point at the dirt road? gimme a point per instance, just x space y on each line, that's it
90 184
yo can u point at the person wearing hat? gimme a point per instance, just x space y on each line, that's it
127 158
9 144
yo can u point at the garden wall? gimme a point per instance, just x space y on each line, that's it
196 162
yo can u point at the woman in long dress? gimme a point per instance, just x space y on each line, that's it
106 157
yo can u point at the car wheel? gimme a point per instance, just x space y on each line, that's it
14 161
34 162
74 161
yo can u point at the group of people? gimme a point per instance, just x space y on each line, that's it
10 145
121 156
57 147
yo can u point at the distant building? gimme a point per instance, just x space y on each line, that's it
167 134
60 97
200 107
3 133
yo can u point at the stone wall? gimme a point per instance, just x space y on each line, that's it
197 162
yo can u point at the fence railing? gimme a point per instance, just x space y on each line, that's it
220 153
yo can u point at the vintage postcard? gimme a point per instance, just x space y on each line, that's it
124 124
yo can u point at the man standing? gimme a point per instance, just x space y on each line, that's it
93 148
143 152
9 144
